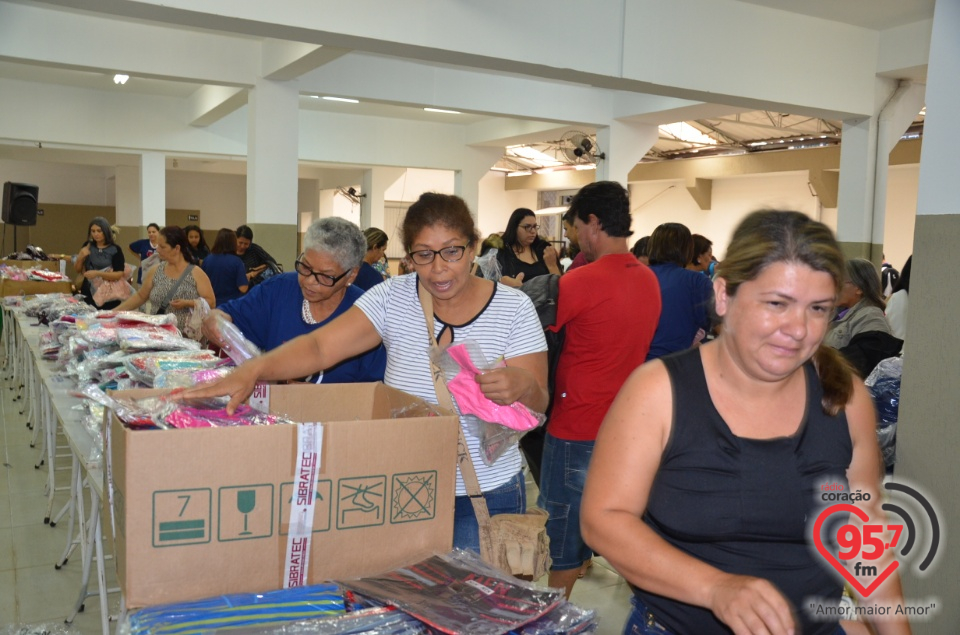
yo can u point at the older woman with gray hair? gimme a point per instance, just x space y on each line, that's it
291 304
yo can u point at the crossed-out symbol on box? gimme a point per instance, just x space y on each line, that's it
414 497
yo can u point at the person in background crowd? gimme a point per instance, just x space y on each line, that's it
145 247
260 265
899 302
377 242
100 257
369 275
525 255
299 302
685 295
198 244
702 255
175 285
706 474
223 266
570 231
888 277
641 250
441 238
609 311
860 305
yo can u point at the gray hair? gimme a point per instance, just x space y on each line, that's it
863 274
339 238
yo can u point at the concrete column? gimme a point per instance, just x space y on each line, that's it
153 189
475 165
624 144
129 208
858 168
895 118
272 163
928 435
376 181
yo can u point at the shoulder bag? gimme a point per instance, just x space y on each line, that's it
514 543
176 285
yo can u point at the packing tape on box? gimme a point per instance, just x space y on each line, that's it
309 447
260 398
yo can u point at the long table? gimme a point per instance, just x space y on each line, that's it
52 407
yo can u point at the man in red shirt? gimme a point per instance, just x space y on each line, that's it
610 309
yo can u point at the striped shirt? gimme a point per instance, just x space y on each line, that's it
507 326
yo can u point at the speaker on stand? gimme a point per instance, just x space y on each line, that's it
19 207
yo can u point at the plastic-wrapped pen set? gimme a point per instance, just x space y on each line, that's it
454 593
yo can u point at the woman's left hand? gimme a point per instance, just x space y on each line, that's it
91 274
181 304
504 386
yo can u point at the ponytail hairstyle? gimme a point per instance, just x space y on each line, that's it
770 236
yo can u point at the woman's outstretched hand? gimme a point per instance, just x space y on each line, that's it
238 385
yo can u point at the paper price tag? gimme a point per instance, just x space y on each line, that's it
260 399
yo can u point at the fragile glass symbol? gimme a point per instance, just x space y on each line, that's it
246 502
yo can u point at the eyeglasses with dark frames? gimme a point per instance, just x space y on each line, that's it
323 279
530 227
426 256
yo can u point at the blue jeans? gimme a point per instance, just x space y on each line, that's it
509 498
642 622
563 474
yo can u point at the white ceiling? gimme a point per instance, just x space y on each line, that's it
869 14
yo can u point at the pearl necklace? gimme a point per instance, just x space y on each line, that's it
305 313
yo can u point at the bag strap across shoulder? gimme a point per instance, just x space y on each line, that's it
464 462
176 285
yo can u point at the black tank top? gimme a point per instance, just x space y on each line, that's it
743 505
510 265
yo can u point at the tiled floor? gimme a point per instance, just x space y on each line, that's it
32 591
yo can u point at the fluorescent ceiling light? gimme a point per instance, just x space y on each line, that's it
533 155
344 99
120 78
585 166
314 96
449 112
682 131
520 173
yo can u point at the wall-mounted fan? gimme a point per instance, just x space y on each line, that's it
578 147
350 193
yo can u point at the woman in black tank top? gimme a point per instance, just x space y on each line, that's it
707 475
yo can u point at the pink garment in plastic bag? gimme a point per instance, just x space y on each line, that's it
471 400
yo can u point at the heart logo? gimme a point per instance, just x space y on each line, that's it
849 577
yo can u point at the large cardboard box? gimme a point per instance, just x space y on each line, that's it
203 512
48 265
33 287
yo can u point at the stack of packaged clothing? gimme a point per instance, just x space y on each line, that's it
454 593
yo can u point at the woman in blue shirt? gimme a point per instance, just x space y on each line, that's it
225 269
292 304
685 294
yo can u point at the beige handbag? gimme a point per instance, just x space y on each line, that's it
514 543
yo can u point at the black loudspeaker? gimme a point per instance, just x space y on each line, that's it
20 203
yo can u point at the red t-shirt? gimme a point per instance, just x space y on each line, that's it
610 309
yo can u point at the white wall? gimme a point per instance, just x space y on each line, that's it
221 198
61 183
734 198
902 189
496 204
668 201
415 182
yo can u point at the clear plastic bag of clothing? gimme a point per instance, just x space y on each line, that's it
498 427
884 386
489 265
